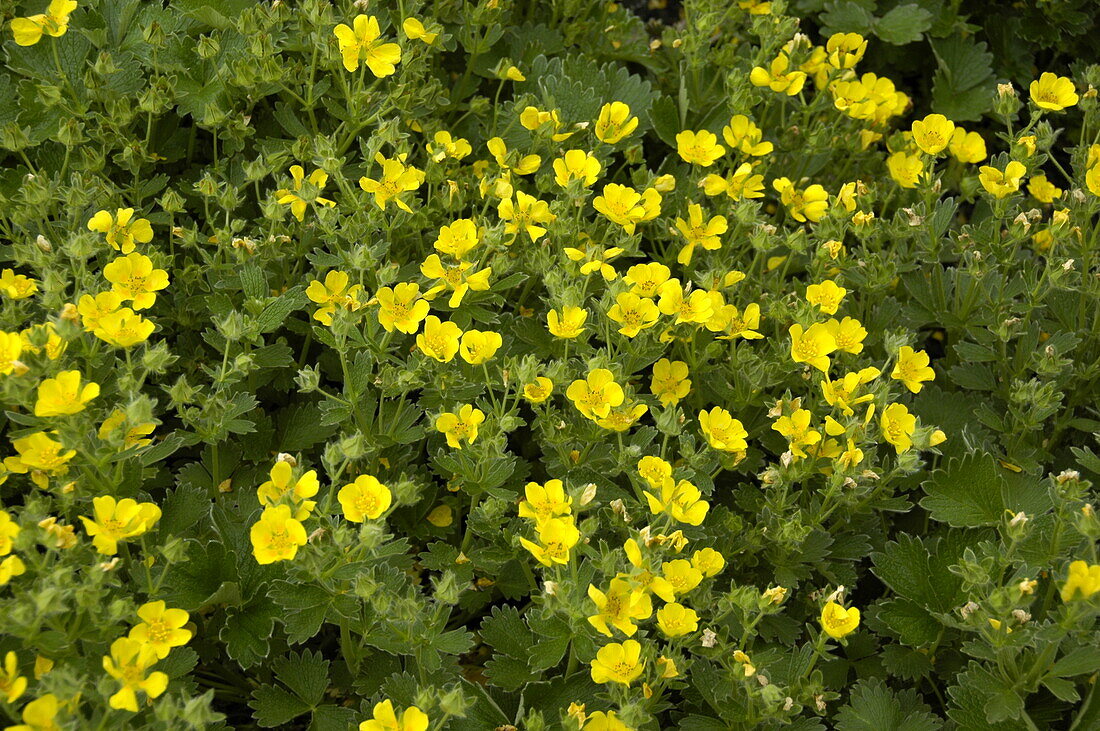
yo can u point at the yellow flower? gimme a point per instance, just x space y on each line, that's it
596 395
40 456
277 535
361 42
633 313
576 165
681 576
11 567
557 536
723 432
621 419
11 346
43 336
161 628
129 663
396 178
1043 190
912 368
675 620
1052 92
526 213
118 521
778 77
447 146
645 280
439 340
569 324
298 196
898 426
17 286
840 392
364 499
621 204
967 146
826 296
12 685
122 230
9 530
401 307
681 500
134 278
796 429
933 133
699 148
123 328
533 118
803 205
512 73
539 390
92 309
333 293
708 561
618 663
669 381
838 621
697 233
845 50
742 183
737 324
595 261
696 307
415 31
1082 581
812 345
134 436
999 183
526 164
743 135
614 123
619 607
54 22
601 721
39 714
460 426
385 719
544 502
848 334
454 278
905 168
479 346
656 472
283 485
63 395
458 238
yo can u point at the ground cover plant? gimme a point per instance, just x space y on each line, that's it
548 365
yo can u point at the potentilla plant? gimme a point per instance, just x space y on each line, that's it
529 365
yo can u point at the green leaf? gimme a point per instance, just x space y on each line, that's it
962 88
874 707
279 309
1078 661
305 674
919 572
846 17
247 630
909 621
274 706
904 24
975 491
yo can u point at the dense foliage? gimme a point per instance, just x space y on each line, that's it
476 365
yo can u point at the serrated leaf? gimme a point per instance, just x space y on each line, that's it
306 675
919 571
874 707
274 706
247 630
505 631
904 24
846 17
913 625
962 88
975 491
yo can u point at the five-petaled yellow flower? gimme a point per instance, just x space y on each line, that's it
401 307
302 192
567 324
439 340
912 368
277 535
597 394
122 230
1052 92
129 663
364 499
54 22
134 278
614 123
362 42
161 628
63 395
618 663
838 621
461 426
723 432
